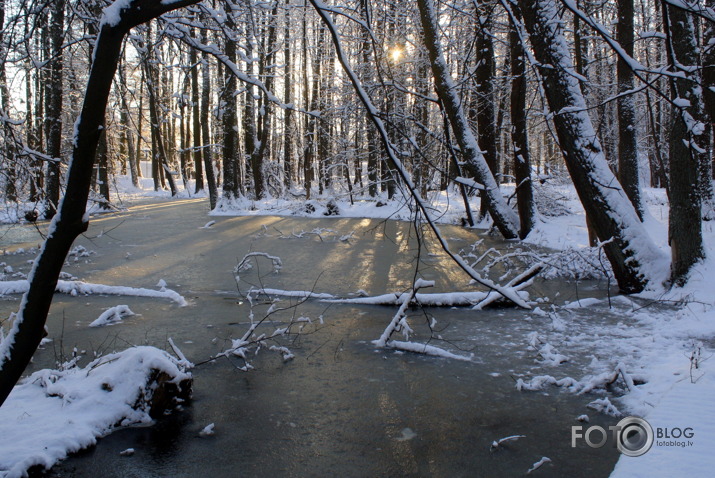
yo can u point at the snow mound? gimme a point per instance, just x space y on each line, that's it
113 315
53 413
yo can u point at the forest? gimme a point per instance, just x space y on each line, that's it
252 99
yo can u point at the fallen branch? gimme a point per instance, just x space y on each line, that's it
76 287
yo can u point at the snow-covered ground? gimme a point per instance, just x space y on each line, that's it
663 340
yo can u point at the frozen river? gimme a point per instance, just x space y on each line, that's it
340 407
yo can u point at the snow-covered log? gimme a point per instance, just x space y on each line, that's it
76 287
56 412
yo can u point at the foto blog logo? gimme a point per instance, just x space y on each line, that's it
633 436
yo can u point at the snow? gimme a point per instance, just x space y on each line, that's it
538 464
56 412
113 315
112 14
208 430
425 349
75 288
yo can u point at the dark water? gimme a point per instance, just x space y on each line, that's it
340 408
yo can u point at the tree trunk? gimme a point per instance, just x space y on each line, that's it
205 128
580 62
686 145
140 120
53 111
102 170
633 256
127 137
250 133
628 170
707 164
709 65
9 147
196 125
160 162
504 218
33 124
229 118
287 98
261 153
17 348
485 101
519 134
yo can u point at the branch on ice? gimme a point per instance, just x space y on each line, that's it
426 349
442 299
75 288
245 263
399 321
496 444
585 385
113 315
538 464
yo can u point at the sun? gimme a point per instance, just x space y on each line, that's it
396 54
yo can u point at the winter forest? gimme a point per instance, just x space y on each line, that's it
249 99
494 104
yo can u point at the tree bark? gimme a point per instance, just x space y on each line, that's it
261 153
485 99
707 165
709 65
160 163
196 122
205 127
229 118
53 114
628 170
127 137
519 134
9 147
686 145
287 98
